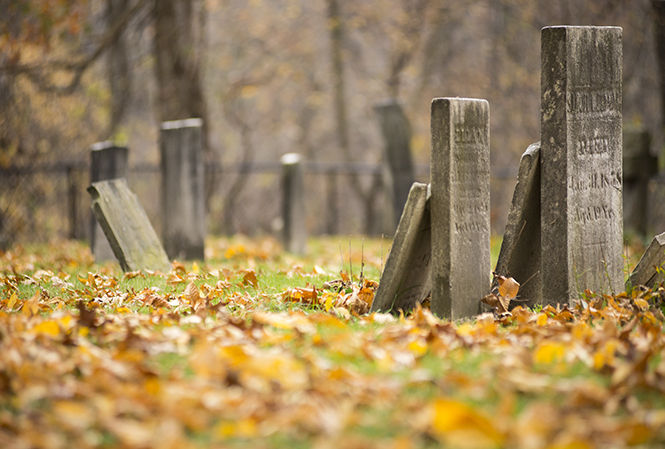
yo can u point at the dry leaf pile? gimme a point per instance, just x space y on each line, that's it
90 364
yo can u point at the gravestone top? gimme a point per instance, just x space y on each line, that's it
98 146
291 159
460 174
581 157
126 226
185 123
406 279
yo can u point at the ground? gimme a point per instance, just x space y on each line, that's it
258 348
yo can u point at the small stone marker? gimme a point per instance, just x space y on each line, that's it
581 189
639 165
126 226
519 256
650 268
294 233
107 161
407 277
460 205
396 132
183 205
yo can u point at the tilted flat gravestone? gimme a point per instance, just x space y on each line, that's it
107 161
126 226
650 269
581 133
639 165
183 196
396 132
519 256
460 205
407 277
294 234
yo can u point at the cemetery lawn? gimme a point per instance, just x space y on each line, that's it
257 348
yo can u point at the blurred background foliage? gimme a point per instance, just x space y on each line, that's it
270 77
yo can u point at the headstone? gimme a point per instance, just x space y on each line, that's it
294 233
183 197
460 205
638 167
651 267
107 161
519 256
407 277
126 226
396 132
656 204
581 132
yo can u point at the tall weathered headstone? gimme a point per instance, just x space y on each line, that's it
639 165
460 205
107 161
407 277
126 226
519 256
581 146
182 195
294 233
396 132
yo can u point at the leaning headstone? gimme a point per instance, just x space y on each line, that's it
519 256
651 267
460 205
639 165
107 161
294 233
581 132
183 196
126 226
407 277
396 132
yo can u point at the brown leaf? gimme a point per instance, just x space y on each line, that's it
508 287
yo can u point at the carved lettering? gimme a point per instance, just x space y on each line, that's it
597 180
594 213
596 145
470 226
466 133
587 100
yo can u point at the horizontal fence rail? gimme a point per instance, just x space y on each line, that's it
45 200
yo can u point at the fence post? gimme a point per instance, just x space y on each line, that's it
183 196
293 204
107 161
72 200
332 217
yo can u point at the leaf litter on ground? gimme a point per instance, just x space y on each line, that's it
255 348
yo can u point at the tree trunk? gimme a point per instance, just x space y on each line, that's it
118 66
336 29
179 31
659 27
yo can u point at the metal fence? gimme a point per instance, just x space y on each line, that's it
46 201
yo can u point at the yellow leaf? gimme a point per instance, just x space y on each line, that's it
549 352
417 347
541 320
462 426
49 328
11 302
641 304
195 268
329 302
